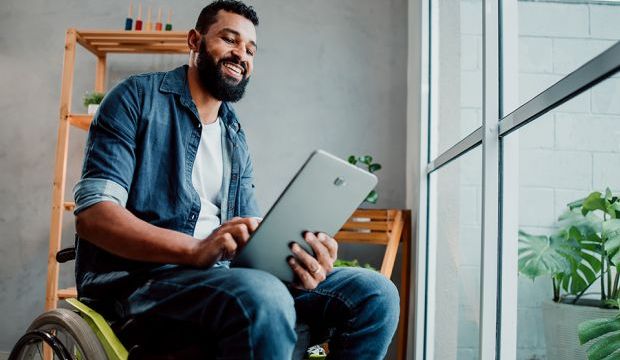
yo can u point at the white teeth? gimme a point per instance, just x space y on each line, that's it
234 68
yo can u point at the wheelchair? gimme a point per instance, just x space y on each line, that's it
77 332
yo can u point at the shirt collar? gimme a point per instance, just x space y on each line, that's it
175 82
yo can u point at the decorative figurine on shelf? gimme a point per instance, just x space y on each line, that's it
129 20
149 24
139 18
169 24
158 23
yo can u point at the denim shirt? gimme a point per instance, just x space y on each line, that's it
140 152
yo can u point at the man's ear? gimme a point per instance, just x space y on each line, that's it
193 40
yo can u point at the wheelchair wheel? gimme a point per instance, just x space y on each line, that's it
66 333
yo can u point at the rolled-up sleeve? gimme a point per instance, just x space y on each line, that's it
110 156
88 192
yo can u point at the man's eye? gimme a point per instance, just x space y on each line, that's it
228 40
250 52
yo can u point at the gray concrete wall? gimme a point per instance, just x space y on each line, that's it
329 75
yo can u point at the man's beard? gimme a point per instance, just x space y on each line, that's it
219 85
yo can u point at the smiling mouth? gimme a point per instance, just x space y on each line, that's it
234 70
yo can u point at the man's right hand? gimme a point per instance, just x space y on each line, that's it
224 242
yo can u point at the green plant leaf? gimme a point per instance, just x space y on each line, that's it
374 167
93 98
372 197
575 204
592 329
542 255
594 201
616 206
611 234
587 225
605 347
352 159
343 263
366 159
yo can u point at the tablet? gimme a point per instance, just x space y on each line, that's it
321 197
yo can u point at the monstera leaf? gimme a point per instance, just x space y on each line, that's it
605 337
611 235
586 269
587 224
543 255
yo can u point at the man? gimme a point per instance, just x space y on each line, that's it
166 199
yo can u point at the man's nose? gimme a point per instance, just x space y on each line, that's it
240 52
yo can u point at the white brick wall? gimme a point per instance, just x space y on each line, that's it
471 17
604 22
569 54
471 89
471 52
587 132
606 96
535 54
553 19
539 134
606 171
555 168
536 206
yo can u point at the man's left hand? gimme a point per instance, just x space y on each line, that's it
312 270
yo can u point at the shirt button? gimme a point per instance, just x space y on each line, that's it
193 217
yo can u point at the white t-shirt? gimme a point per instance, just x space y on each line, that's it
207 175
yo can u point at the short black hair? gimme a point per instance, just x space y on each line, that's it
208 14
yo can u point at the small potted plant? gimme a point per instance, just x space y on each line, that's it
92 101
584 251
366 162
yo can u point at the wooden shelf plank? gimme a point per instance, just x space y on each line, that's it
100 42
67 293
360 237
81 121
373 214
370 225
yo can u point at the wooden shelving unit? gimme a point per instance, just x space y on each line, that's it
389 227
100 43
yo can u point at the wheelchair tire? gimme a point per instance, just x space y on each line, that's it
75 335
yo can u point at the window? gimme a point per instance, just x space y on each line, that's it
542 84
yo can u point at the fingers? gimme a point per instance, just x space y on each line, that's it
307 261
330 243
239 232
251 223
320 251
306 280
228 246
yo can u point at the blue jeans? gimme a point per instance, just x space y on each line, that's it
252 315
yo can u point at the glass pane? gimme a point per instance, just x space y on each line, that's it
456 212
459 73
555 38
563 156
